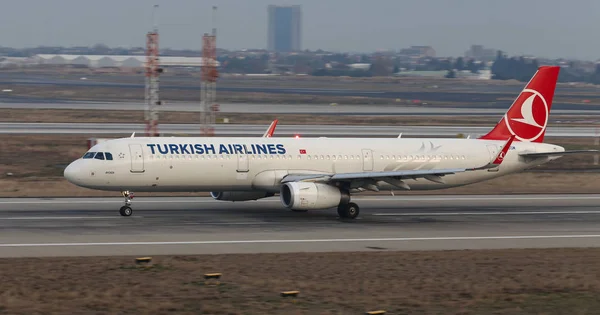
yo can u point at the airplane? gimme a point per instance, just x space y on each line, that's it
323 173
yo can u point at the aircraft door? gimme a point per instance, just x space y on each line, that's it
242 163
493 150
137 158
367 156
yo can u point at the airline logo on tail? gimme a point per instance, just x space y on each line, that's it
527 118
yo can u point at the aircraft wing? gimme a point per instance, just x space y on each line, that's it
369 178
545 154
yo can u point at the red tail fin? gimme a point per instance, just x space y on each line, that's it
527 117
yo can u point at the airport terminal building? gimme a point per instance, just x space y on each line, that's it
121 61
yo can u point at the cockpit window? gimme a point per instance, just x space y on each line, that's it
99 156
89 155
108 156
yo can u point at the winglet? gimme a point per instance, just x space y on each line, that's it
271 129
133 135
499 158
502 154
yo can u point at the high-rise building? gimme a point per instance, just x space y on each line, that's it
284 28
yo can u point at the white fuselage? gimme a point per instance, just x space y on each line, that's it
258 164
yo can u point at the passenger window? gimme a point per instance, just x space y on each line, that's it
99 156
89 155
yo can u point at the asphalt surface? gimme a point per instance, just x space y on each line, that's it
321 109
282 130
92 226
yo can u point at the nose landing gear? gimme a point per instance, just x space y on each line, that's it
126 209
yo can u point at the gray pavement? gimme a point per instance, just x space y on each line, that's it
92 226
282 130
321 109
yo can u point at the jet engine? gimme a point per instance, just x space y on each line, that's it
239 195
306 195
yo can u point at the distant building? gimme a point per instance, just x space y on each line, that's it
418 52
102 61
284 30
478 52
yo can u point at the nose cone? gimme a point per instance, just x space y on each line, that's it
73 172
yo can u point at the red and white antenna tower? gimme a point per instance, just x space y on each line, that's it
153 71
208 90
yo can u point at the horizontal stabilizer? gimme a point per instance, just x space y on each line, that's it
558 153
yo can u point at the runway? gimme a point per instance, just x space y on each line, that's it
488 94
322 109
197 225
282 130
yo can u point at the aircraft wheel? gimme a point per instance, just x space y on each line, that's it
348 211
126 211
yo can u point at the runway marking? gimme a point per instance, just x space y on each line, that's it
484 213
62 218
382 198
482 198
374 214
334 240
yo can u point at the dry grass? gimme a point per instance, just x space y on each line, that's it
96 116
37 161
171 117
118 94
535 281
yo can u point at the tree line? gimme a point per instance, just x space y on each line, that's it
522 69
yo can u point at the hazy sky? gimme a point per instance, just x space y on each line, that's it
548 28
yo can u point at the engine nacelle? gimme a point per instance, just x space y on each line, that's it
239 195
306 195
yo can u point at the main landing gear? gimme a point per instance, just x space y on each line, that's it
348 210
126 209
